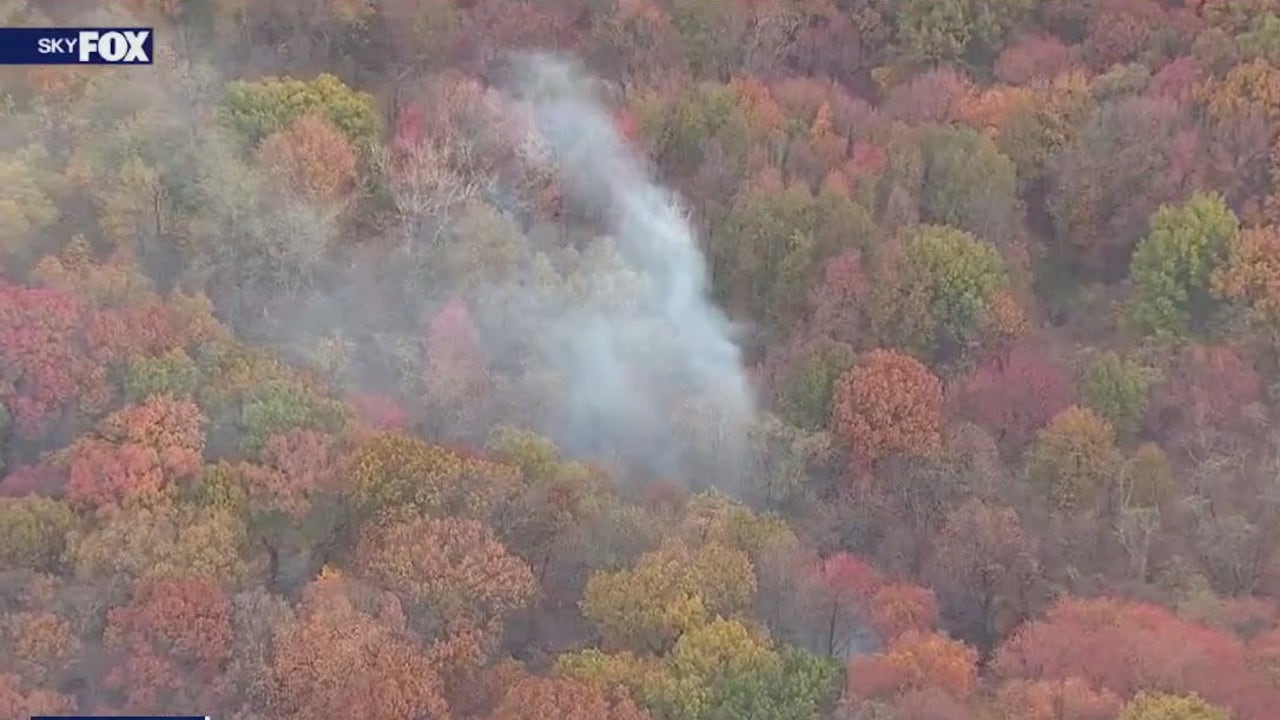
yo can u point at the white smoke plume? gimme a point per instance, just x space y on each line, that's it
648 369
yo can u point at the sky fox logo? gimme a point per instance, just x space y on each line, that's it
124 47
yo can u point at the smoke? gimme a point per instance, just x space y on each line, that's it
649 372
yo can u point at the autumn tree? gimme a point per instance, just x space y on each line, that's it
955 29
985 571
670 591
916 661
1033 57
534 698
1128 647
889 403
1207 400
1013 396
394 474
452 573
139 454
1074 461
1250 276
1172 267
162 541
1069 699
312 157
33 532
1120 166
338 659
899 608
1164 706
169 646
936 288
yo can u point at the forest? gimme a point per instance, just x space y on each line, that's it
644 360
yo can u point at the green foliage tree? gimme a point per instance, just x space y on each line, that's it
256 109
1173 266
275 407
173 373
970 184
1116 388
723 669
942 282
949 30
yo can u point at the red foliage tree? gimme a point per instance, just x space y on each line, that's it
1205 399
44 361
1012 397
1127 647
169 646
1032 58
138 452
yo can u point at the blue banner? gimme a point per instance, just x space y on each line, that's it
76 46
120 717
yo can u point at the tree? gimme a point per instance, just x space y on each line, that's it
452 574
936 289
723 669
1116 389
899 608
17 702
711 33
839 589
1164 706
1113 174
1120 31
174 374
956 30
985 571
1250 275
163 541
33 532
256 109
1206 402
806 385
1069 699
312 157
1174 264
274 407
47 366
139 454
1075 461
890 403
455 369
971 185
1034 58
395 474
1013 396
916 661
533 698
668 593
1128 647
338 660
169 646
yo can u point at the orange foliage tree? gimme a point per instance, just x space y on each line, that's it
890 403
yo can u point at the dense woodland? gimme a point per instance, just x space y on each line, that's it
1005 275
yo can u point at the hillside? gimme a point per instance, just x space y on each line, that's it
644 360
